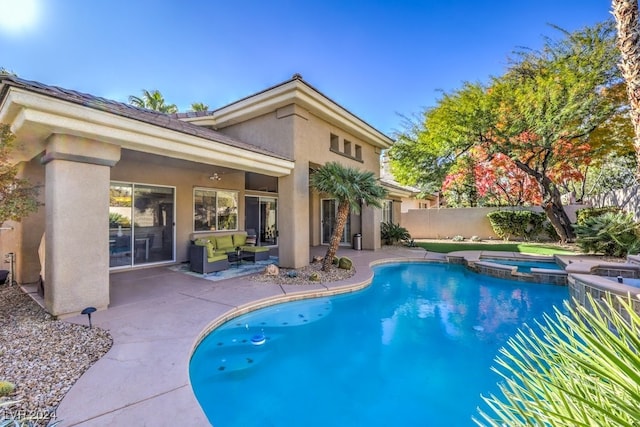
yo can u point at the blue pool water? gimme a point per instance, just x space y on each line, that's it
413 349
523 265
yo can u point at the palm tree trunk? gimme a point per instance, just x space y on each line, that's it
334 242
626 15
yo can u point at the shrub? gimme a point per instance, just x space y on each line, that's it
519 224
475 239
583 214
612 234
6 388
458 238
345 263
392 233
580 370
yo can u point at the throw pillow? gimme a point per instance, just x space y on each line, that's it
239 239
210 250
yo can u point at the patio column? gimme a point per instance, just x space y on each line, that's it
293 218
371 218
77 175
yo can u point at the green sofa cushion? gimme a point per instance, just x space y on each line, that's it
224 242
255 249
239 239
216 257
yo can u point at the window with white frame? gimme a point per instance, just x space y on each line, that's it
215 210
387 211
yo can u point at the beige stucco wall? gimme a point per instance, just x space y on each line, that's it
31 228
293 131
25 236
466 222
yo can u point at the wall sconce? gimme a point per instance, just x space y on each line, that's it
215 177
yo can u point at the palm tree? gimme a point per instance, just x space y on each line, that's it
626 15
199 106
152 100
350 187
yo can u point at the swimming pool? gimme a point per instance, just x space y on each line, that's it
413 349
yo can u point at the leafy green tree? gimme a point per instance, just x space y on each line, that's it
539 114
612 155
18 198
199 106
152 100
581 369
350 187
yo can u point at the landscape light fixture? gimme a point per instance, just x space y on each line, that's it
88 312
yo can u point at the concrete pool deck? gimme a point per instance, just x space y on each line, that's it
156 318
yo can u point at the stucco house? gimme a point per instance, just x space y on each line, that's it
108 171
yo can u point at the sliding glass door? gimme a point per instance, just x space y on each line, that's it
141 224
261 215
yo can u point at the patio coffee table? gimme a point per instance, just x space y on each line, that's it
235 258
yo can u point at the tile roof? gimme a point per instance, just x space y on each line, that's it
295 77
155 118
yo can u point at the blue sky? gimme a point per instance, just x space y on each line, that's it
379 59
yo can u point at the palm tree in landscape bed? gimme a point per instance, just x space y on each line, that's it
350 187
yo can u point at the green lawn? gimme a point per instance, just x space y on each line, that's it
530 248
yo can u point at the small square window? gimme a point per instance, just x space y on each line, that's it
347 147
358 152
335 143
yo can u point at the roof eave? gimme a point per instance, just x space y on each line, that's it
33 117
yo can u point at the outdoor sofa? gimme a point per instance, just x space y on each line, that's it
209 253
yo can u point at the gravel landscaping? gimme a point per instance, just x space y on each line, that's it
300 276
42 356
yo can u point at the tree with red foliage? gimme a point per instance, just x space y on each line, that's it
537 119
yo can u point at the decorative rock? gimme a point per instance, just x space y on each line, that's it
317 258
292 273
314 277
272 270
345 263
